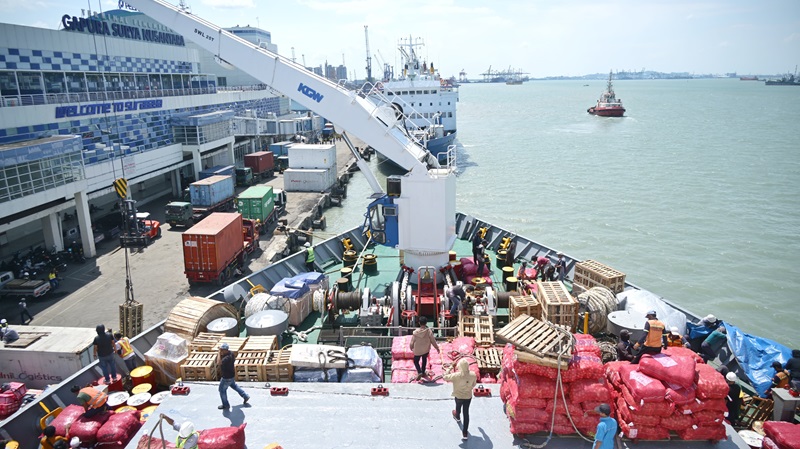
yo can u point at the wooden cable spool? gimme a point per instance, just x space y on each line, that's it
598 302
191 316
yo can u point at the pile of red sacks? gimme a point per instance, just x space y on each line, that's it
11 398
108 429
469 271
403 370
530 395
216 438
671 391
781 435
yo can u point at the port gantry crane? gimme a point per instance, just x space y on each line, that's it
419 217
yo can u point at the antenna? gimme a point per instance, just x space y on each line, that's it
304 59
369 58
293 58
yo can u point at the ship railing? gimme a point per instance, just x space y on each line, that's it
99 96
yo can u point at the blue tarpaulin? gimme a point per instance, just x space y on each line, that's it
701 331
755 355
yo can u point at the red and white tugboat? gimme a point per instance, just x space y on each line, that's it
608 105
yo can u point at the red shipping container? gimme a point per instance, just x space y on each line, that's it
211 245
260 162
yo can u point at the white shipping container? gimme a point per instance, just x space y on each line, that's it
287 127
308 180
56 356
307 156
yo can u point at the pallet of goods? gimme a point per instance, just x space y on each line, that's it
591 273
250 366
205 341
524 305
261 343
558 306
537 341
235 344
279 366
200 366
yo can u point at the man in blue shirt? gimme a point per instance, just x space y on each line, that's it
606 429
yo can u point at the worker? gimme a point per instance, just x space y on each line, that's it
781 377
479 309
24 312
650 342
463 382
309 257
482 257
734 398
674 338
713 343
7 335
187 435
606 428
477 240
93 400
53 278
624 347
421 342
49 437
123 347
227 361
456 296
59 444
793 366
104 351
561 267
75 443
510 252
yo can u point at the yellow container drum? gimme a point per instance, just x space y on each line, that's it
141 388
126 408
143 375
147 412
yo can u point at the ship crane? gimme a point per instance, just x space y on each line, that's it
369 58
417 216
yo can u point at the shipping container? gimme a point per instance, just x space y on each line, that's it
256 203
307 156
217 170
59 353
261 162
280 148
211 245
308 180
211 191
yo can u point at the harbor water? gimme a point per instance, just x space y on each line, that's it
694 194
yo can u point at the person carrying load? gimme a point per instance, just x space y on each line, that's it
92 400
187 435
650 343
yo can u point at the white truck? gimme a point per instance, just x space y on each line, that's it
28 288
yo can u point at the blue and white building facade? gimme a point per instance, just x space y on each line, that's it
110 96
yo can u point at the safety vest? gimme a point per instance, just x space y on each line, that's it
125 345
180 442
674 340
51 276
653 339
309 255
783 379
96 397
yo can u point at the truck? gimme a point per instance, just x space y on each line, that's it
262 163
217 170
244 177
218 246
213 194
57 354
257 203
142 230
28 288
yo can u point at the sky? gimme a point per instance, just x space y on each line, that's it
539 37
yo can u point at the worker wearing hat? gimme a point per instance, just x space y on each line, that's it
227 360
310 257
650 342
93 400
187 435
606 428
674 338
734 398
561 266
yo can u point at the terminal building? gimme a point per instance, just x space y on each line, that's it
118 95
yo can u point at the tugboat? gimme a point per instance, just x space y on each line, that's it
608 105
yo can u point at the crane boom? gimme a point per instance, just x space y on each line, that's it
418 216
369 58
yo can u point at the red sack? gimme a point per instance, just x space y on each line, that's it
574 408
785 435
155 443
119 428
612 371
400 349
710 383
464 345
590 406
113 446
526 414
403 371
676 421
505 391
488 378
522 428
642 387
645 433
678 369
531 386
628 414
698 405
678 350
714 433
661 408
563 429
222 438
67 416
86 428
769 444
589 390
679 395
513 395
586 344
708 417
583 366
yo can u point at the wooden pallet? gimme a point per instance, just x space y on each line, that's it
205 342
250 366
234 343
279 367
524 304
480 328
558 306
537 341
591 273
200 366
26 339
755 409
489 359
261 343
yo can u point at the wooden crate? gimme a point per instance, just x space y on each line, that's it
279 367
558 306
591 273
200 366
234 344
524 304
261 343
478 327
537 341
489 359
205 342
250 366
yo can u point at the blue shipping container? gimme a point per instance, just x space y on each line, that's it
218 170
280 148
211 191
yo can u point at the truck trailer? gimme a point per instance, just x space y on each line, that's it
213 194
219 245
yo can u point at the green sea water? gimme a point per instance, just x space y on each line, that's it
694 194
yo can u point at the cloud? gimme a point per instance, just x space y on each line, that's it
229 4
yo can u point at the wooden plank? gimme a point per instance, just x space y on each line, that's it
26 338
261 343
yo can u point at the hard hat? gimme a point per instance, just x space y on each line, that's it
74 442
652 312
3 321
674 330
731 377
710 318
187 429
224 346
307 245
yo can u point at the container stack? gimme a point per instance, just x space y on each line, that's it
672 391
312 168
532 392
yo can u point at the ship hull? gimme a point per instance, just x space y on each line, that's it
606 112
